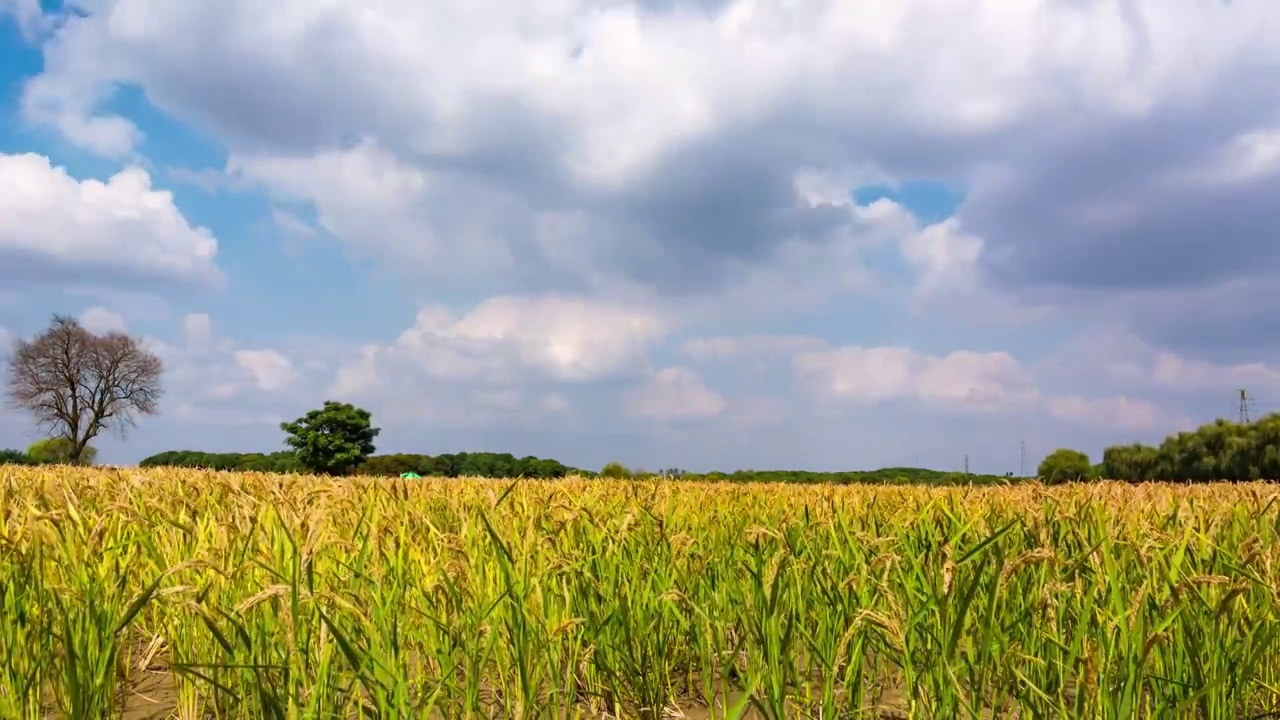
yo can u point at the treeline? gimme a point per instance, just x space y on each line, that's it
1220 450
506 465
16 457
276 462
883 476
483 464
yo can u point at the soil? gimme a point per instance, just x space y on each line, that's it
152 695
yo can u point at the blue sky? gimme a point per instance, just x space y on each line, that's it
718 234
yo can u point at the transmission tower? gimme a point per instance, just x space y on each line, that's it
1245 404
966 464
1022 459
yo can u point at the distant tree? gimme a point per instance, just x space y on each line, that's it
615 470
1065 465
77 383
14 457
332 440
57 450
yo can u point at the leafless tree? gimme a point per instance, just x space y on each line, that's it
77 383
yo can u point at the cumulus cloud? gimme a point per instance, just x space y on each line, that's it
506 338
197 332
727 347
270 370
54 226
1251 156
1123 412
674 393
945 259
363 194
1118 164
213 376
102 320
984 382
1122 361
978 381
677 137
31 20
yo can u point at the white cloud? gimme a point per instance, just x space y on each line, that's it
382 206
726 347
674 393
1119 360
102 320
137 305
214 377
815 187
357 375
1178 373
292 225
121 227
1247 158
980 381
197 332
66 106
944 258
802 271
1123 412
355 191
634 85
271 371
28 14
976 381
505 338
634 117
704 150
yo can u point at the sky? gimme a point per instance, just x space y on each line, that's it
705 234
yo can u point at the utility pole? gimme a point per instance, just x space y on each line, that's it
1022 460
966 464
1244 406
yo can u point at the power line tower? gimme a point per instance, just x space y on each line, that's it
1022 459
966 464
1246 404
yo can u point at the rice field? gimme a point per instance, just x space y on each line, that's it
165 593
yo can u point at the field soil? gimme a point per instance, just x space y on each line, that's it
153 695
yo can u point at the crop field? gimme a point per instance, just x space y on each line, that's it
165 593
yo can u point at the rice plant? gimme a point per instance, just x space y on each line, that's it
172 593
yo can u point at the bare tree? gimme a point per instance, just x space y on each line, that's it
77 383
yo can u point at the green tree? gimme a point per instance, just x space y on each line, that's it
14 457
615 470
332 440
60 451
1065 465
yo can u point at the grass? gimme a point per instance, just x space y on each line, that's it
259 596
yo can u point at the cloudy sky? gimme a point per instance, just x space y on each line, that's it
699 233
